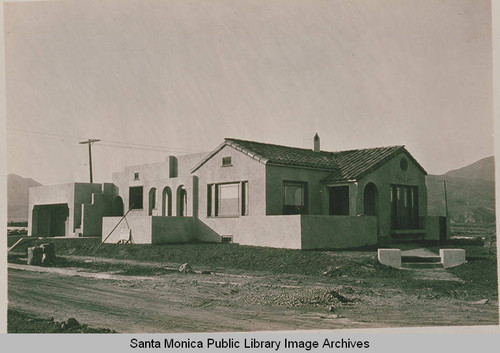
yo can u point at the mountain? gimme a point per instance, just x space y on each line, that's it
17 197
470 192
483 169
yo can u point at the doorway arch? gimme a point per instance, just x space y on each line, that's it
166 201
181 201
370 202
118 206
152 200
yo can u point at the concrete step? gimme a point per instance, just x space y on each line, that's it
420 259
420 265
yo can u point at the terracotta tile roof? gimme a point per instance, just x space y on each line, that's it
343 165
286 156
356 163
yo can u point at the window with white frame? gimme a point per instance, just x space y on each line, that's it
227 199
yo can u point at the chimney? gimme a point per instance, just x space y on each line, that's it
316 143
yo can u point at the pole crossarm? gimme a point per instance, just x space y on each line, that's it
90 142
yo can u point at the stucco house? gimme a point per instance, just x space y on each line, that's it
262 194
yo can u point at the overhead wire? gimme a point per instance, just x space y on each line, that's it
106 143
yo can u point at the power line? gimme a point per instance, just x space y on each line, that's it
107 143
143 148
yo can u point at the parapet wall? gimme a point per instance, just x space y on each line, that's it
293 231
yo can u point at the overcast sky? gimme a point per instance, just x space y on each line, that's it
180 76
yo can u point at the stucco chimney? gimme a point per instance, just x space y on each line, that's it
316 143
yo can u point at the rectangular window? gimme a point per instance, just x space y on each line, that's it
227 199
172 167
294 197
405 213
135 196
136 175
226 161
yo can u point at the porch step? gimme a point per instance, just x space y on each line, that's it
408 237
421 265
420 259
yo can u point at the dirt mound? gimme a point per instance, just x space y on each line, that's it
292 297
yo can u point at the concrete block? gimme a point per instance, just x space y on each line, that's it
452 257
390 257
35 254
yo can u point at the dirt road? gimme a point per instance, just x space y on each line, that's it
178 302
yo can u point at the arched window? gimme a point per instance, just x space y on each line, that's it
166 201
152 200
181 201
118 206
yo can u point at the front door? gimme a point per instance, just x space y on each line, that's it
338 200
404 199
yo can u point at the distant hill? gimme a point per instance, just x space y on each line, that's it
17 197
471 192
483 169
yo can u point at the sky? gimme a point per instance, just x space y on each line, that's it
151 78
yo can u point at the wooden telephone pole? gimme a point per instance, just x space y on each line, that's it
445 199
90 142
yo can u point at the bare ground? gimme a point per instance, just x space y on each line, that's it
246 300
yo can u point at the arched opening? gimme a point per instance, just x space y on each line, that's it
118 206
166 202
370 202
152 200
181 201
50 220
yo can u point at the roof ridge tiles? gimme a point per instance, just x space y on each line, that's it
310 149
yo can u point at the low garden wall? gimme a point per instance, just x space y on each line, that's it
433 229
293 231
172 229
338 232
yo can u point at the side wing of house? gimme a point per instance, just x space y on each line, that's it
51 210
68 209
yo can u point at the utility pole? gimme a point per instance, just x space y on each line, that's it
90 142
445 198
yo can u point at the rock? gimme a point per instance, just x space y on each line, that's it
34 255
332 271
481 302
340 297
186 268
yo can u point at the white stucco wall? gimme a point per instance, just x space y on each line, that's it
157 175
